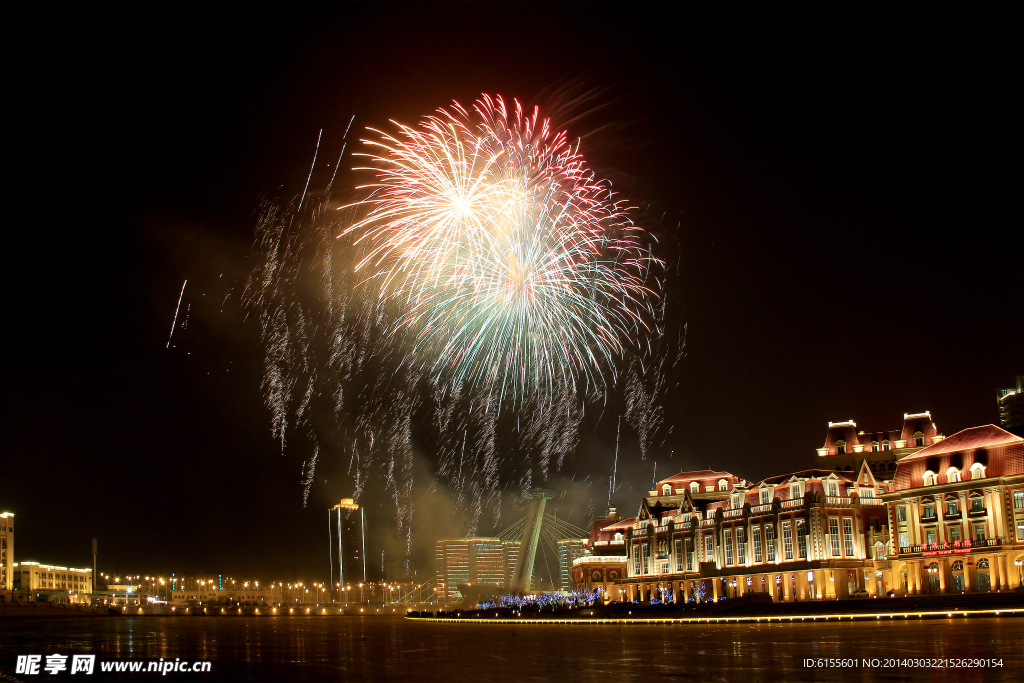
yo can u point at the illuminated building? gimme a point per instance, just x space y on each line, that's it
347 529
1011 407
845 447
465 562
950 520
957 514
511 549
6 552
50 583
604 564
569 550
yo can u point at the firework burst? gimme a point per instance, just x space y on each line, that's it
516 270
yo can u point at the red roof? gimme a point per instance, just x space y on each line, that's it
972 438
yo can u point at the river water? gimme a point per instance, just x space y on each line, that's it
394 649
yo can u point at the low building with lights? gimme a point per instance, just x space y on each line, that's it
35 582
473 562
603 564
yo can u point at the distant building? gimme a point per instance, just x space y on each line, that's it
603 565
1011 408
569 550
348 542
52 583
6 552
511 549
846 446
470 562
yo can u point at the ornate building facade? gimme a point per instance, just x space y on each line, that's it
948 518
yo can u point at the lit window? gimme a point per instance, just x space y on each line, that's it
787 541
728 547
764 496
1018 500
977 471
929 510
666 490
679 554
832 488
929 478
952 475
694 487
840 447
848 536
689 554
885 445
918 439
741 546
769 541
952 509
833 532
723 485
874 446
756 536
794 491
709 548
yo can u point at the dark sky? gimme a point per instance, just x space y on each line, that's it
845 177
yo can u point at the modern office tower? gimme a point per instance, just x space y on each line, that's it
347 528
6 551
469 562
1011 407
569 549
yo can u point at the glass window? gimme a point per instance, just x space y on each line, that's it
929 478
848 536
918 439
769 541
904 541
840 447
679 554
832 488
794 491
723 485
801 539
951 508
728 546
636 559
709 548
901 513
741 546
763 496
756 536
977 471
647 558
1020 529
787 541
885 445
833 532
689 554
930 536
954 533
694 487
979 532
929 510
952 475
666 490
1018 500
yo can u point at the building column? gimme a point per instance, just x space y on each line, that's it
716 587
1004 579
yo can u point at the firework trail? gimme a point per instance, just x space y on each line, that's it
176 309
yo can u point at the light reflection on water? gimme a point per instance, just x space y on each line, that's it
393 649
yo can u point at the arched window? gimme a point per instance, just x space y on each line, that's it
918 439
723 485
694 487
666 490
982 564
958 566
929 478
977 471
840 447
952 475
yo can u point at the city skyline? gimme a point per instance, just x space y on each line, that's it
842 229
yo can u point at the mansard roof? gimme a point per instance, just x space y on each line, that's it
972 438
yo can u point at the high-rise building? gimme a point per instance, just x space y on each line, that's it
6 551
511 556
347 524
470 562
569 549
1011 407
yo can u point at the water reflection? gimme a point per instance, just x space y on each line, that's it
392 649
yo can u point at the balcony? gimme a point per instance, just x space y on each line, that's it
872 501
835 501
929 518
792 504
977 513
729 514
761 509
953 548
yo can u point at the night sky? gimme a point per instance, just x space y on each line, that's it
845 180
